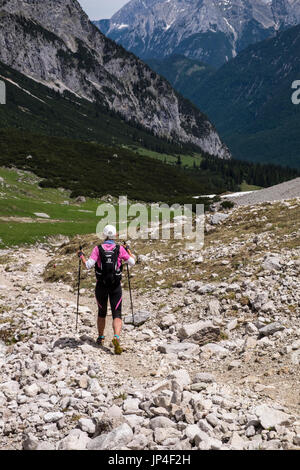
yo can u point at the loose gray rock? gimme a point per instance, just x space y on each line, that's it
214 307
176 348
162 434
30 442
10 388
75 440
270 329
116 439
269 417
218 218
87 425
271 263
181 376
215 350
31 390
139 318
200 332
80 200
205 377
161 422
53 417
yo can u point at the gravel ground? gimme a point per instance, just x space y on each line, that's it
280 192
211 366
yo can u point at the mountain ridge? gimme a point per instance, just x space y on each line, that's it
55 43
213 31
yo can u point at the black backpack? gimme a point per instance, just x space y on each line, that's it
109 273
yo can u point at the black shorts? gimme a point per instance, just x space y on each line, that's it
115 299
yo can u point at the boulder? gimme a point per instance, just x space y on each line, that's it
205 289
30 442
10 388
53 417
269 417
200 332
237 442
214 307
31 390
271 263
204 377
218 218
75 440
191 431
139 442
80 200
167 321
138 319
259 300
176 348
162 434
161 422
181 376
295 358
270 329
113 440
215 350
87 425
131 406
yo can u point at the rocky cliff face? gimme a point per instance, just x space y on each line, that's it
210 30
55 43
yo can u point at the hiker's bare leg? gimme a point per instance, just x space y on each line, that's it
101 325
117 326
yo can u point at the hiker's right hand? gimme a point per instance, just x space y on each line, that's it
127 247
80 254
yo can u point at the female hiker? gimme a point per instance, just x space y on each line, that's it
107 259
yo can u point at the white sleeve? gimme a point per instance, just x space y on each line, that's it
90 263
130 261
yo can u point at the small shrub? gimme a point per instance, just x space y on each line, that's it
227 204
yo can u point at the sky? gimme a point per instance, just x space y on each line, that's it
101 9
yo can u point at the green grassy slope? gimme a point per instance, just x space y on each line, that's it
95 170
21 196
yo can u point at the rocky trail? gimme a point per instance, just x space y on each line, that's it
213 364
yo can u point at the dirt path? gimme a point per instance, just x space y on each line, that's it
136 363
128 364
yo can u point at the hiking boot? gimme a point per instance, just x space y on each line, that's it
116 344
100 340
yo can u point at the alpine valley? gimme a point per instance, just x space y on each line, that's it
81 109
54 43
249 99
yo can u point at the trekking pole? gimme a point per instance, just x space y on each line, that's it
130 293
78 292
